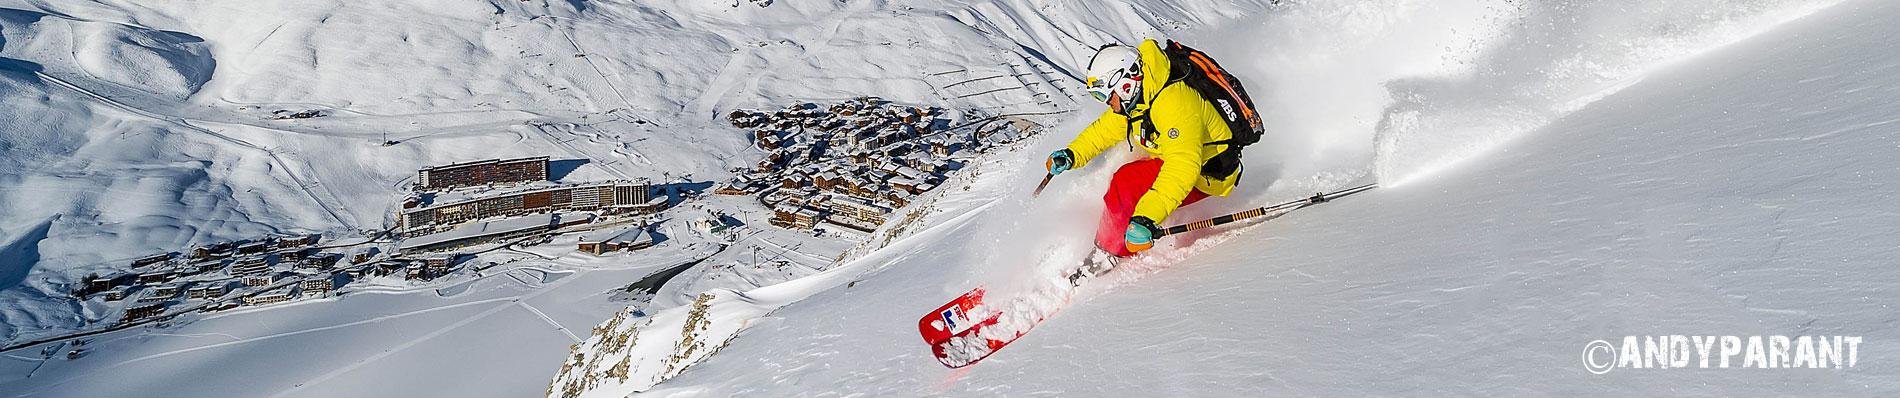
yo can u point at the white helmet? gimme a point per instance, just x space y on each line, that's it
1114 77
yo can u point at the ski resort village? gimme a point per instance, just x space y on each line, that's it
884 157
899 198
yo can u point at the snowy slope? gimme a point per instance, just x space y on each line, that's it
148 125
1556 174
145 127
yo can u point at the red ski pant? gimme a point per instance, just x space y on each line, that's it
1131 181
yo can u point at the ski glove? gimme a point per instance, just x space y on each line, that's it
1140 235
1060 161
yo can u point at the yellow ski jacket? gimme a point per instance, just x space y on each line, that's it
1184 123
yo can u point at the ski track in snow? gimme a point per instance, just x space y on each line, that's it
544 316
516 301
1420 287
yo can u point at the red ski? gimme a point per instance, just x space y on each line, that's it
961 332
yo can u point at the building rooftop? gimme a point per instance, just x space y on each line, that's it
464 197
623 236
480 229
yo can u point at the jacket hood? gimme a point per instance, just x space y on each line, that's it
1154 72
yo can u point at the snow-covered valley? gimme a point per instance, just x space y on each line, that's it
1551 174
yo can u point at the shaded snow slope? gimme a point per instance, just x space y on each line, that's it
1738 191
145 127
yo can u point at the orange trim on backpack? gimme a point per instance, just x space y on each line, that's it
1208 68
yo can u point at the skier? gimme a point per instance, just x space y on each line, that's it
1192 153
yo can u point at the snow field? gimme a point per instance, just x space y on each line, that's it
1620 210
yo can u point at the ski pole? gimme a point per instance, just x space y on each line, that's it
1044 184
1247 214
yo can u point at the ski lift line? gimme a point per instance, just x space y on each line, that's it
950 72
986 120
591 64
974 80
993 91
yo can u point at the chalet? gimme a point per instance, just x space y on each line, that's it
763 139
440 264
267 299
805 218
897 198
250 266
320 261
795 218
297 241
314 287
389 267
635 238
731 188
219 306
827 179
194 269
115 294
652 206
746 119
166 291
152 260
95 283
258 280
156 277
416 271
939 149
209 291
143 312
253 248
711 225
907 185
857 213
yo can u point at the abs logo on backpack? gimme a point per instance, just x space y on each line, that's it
1227 110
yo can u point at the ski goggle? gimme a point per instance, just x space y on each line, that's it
1103 87
1098 88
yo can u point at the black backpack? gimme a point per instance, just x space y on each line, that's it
1223 90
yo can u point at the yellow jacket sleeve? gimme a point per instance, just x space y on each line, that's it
1109 129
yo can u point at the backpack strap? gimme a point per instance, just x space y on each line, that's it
1146 125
